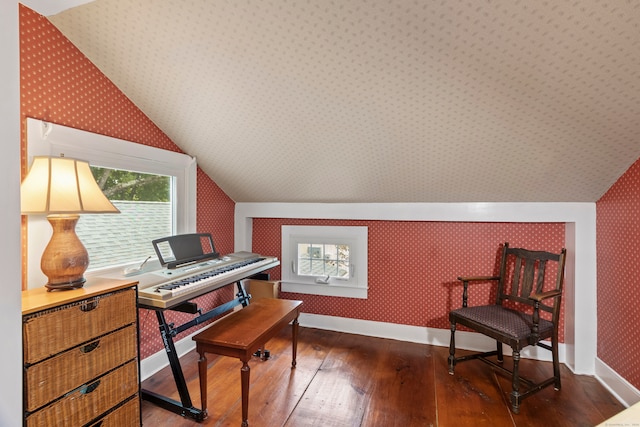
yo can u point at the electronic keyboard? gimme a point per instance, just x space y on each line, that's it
168 288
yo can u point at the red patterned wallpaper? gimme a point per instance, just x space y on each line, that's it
618 251
413 266
60 85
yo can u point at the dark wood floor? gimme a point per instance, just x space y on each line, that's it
352 380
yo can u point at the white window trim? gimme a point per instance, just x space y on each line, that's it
47 139
356 237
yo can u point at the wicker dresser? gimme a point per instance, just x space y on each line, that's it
80 353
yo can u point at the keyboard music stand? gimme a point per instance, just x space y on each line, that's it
184 249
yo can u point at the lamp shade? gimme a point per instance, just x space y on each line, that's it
60 185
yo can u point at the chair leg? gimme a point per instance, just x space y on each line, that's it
515 383
556 363
452 349
499 351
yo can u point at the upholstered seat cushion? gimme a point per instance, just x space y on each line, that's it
516 324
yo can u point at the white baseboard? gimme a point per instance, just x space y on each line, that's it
626 393
152 364
159 360
418 334
376 329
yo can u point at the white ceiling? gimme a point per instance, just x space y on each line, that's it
382 101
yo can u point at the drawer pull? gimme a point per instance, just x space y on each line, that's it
86 389
89 305
90 347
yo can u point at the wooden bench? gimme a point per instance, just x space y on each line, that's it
241 334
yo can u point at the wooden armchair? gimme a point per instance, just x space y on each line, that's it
515 317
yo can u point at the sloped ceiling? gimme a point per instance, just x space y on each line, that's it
382 101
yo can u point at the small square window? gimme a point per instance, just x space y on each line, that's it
325 260
318 259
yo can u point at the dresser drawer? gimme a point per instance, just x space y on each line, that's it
89 401
67 371
127 415
52 331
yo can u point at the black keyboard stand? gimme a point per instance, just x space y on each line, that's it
168 331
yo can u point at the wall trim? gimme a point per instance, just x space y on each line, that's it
49 8
10 252
159 360
408 333
626 393
419 334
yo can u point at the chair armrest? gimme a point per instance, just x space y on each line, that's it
477 278
465 283
538 297
544 295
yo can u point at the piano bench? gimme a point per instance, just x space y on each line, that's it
240 334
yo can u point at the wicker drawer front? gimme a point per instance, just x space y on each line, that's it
53 331
67 371
128 415
88 402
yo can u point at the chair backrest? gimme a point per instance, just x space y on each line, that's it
522 273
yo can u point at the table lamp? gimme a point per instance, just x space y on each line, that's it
62 188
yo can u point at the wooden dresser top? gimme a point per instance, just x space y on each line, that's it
38 299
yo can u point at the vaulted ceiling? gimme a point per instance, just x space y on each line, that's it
382 100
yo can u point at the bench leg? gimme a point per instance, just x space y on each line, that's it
202 371
244 380
294 341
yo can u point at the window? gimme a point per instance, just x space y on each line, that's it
321 259
121 240
145 204
325 260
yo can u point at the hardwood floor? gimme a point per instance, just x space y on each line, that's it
352 380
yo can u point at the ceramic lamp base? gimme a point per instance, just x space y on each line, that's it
65 259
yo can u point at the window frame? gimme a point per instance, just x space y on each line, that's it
50 139
357 239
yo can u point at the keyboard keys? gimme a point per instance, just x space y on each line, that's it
187 284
